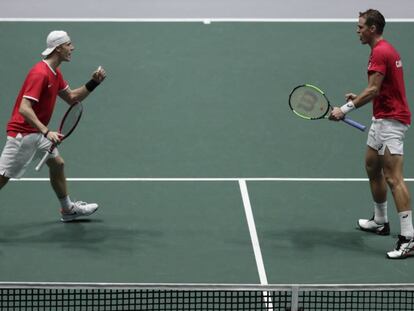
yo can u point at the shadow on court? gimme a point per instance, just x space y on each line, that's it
328 241
90 235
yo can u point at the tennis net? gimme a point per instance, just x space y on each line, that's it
199 297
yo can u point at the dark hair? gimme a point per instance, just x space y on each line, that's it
374 17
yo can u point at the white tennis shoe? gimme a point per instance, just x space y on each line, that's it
79 209
404 249
370 225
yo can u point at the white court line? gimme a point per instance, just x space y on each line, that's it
253 233
200 179
192 20
255 241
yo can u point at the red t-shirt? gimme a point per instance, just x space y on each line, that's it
391 103
41 87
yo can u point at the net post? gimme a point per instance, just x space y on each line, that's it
295 298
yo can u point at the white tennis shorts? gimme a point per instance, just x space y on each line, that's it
20 151
387 133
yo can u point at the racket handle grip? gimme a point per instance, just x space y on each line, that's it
355 124
39 166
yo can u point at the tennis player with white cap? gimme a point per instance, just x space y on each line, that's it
27 130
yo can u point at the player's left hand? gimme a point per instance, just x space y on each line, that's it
54 137
336 114
99 74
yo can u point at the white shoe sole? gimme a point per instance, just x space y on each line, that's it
71 217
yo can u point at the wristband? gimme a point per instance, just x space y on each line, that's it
349 106
91 85
45 134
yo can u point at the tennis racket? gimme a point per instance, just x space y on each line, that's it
309 102
68 124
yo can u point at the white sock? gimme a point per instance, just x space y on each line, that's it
380 212
66 203
406 222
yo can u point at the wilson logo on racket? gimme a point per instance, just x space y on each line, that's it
310 102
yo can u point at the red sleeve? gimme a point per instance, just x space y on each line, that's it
34 85
378 62
62 83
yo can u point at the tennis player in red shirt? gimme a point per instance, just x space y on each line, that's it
28 134
391 119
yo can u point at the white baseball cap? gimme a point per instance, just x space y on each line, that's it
54 39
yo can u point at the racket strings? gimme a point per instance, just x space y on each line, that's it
71 119
309 103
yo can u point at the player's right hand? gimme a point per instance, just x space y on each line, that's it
336 114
